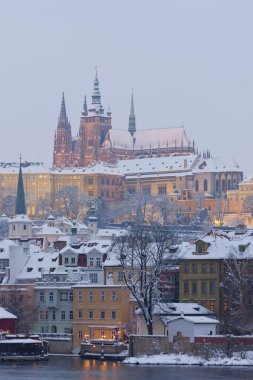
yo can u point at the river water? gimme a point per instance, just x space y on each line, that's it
62 368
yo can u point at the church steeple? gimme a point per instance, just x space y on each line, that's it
131 122
63 114
20 208
85 108
96 97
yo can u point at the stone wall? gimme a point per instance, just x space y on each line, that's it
59 346
148 345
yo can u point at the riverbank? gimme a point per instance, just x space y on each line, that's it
183 359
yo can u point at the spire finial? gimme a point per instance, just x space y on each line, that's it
63 114
131 122
85 108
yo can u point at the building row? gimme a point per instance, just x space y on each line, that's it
191 180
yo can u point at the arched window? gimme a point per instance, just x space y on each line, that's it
196 185
217 186
223 185
205 185
229 184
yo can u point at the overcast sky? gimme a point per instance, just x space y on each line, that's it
188 61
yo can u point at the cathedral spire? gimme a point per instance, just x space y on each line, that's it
63 114
85 108
96 107
131 122
20 208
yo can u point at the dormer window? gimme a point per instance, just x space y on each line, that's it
199 248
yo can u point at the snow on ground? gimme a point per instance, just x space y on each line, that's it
183 359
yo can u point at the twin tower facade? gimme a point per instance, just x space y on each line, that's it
96 140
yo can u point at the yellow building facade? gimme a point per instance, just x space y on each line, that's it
100 312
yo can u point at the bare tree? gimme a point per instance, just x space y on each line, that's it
237 287
8 205
71 202
142 254
19 303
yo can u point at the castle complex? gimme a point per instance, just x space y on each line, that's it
97 141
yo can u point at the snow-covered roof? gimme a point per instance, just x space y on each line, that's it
46 231
181 308
101 246
221 245
195 319
38 263
20 218
217 164
4 314
4 248
147 139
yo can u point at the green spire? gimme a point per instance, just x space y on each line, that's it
20 200
131 123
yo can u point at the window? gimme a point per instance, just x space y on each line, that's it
186 268
64 296
113 314
63 315
204 268
42 315
162 190
90 314
73 260
90 181
194 287
42 298
80 334
203 287
71 314
51 297
186 287
194 268
196 185
146 190
114 296
71 296
91 193
53 315
212 287
212 268
98 261
102 314
91 261
80 314
24 227
102 295
131 190
66 260
199 248
94 278
205 185
80 295
121 276
46 314
90 296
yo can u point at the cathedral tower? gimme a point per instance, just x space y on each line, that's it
94 126
63 139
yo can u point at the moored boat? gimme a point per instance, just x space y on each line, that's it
104 349
14 348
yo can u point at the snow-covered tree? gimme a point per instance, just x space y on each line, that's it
237 288
143 254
